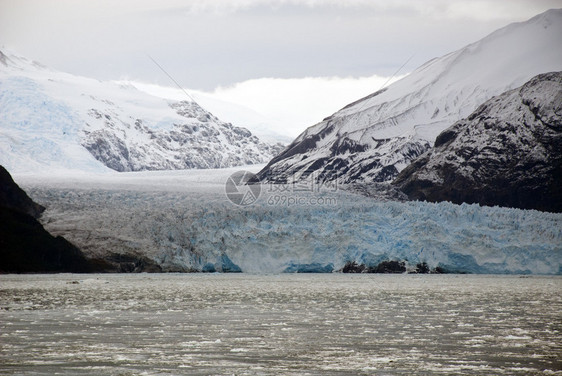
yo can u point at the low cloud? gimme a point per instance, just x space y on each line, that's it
284 106
206 43
295 104
480 10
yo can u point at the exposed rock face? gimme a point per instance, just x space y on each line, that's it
507 153
25 246
309 268
129 263
13 197
201 141
328 156
374 138
385 267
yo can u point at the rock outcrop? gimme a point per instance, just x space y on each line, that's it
25 246
13 197
507 153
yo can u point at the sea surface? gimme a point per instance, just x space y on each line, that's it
289 324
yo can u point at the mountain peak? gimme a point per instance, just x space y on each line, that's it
547 18
389 129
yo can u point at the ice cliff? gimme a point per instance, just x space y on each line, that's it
187 224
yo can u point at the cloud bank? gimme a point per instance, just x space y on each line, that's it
209 43
295 104
283 106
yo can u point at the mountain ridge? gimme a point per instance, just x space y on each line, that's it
55 120
385 131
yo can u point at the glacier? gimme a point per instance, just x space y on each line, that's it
32 138
183 221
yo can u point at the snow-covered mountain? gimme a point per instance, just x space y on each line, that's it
54 120
507 153
265 128
374 138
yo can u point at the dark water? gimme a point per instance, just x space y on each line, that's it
174 324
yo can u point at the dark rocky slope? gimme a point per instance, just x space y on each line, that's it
506 153
13 197
25 246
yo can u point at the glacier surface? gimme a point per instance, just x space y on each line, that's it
183 221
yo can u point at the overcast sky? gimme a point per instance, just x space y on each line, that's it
218 45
